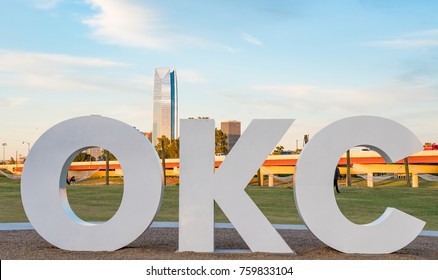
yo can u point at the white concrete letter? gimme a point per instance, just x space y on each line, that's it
43 189
200 186
314 194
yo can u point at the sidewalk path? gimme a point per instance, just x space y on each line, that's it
28 226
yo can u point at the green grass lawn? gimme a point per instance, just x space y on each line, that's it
93 201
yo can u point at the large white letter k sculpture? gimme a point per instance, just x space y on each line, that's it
201 186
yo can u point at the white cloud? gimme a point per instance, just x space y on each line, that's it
251 39
314 106
28 61
428 32
393 99
132 23
46 4
46 88
420 39
126 23
14 101
407 43
42 72
230 49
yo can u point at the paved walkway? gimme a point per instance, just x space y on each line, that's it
28 226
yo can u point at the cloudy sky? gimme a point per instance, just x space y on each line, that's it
315 61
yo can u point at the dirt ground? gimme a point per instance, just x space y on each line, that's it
162 244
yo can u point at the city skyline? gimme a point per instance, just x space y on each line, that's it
165 109
315 61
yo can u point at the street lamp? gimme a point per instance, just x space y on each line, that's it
4 146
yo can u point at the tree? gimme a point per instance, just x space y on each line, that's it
278 150
103 156
84 157
171 147
174 148
199 118
221 142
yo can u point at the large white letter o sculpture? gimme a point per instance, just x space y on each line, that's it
314 194
44 193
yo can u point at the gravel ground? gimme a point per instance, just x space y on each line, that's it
162 244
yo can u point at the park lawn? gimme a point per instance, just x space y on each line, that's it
11 208
363 205
93 201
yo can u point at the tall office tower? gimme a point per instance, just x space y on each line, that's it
232 130
165 119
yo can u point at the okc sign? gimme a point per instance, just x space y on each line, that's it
46 204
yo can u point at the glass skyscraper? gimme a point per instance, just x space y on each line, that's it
165 119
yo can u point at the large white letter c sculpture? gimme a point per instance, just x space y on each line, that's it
43 189
314 194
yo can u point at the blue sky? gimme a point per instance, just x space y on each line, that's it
315 61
